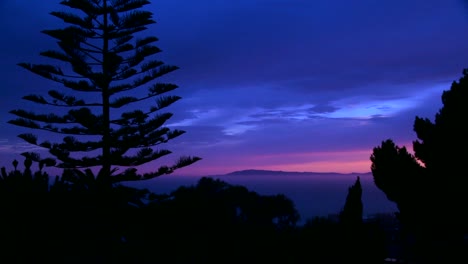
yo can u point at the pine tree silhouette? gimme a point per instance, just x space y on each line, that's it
104 63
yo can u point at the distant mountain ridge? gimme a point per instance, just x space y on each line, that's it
251 172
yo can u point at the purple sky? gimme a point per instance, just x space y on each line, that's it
293 85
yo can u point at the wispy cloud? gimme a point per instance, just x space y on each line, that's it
16 147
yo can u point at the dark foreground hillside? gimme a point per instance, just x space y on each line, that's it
210 222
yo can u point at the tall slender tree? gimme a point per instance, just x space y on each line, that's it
351 215
103 60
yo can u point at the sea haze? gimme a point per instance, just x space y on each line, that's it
314 193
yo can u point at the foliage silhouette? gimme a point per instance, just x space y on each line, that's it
354 233
216 202
104 63
236 225
26 182
398 174
325 240
79 224
430 187
351 215
82 223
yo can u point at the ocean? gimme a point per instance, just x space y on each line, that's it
314 194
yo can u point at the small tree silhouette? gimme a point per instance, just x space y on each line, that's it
350 219
98 49
351 215
18 183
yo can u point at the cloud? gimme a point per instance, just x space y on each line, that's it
239 120
323 109
17 147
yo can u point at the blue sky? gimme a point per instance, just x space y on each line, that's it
274 84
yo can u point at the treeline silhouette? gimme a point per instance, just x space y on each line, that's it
69 220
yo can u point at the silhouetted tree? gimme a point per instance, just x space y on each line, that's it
350 218
399 175
351 215
236 224
103 61
226 203
431 197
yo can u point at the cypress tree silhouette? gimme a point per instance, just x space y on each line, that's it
351 215
351 224
98 49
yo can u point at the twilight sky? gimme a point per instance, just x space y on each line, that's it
294 85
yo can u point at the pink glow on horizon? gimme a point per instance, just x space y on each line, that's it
362 166
339 161
346 161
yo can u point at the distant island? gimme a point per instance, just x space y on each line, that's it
253 172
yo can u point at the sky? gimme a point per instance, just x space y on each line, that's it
292 85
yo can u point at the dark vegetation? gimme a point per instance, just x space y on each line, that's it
100 62
69 220
430 187
83 217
